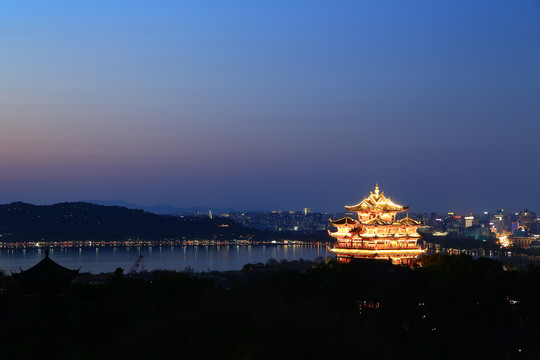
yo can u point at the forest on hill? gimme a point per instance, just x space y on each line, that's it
84 221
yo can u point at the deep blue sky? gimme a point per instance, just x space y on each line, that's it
271 104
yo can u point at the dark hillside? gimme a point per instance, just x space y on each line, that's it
83 221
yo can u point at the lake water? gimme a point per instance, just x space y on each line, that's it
199 258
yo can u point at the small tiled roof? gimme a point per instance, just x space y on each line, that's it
409 221
344 221
376 221
46 270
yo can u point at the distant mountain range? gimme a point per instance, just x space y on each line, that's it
86 221
161 209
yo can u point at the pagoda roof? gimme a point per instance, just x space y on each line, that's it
344 221
376 202
357 230
45 270
376 221
408 221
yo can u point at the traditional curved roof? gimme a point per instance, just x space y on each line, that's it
357 230
46 270
376 201
376 221
409 221
344 221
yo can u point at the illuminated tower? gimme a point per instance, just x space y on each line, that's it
376 234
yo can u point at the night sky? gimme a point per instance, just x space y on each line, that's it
271 104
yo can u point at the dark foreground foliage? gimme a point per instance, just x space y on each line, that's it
452 308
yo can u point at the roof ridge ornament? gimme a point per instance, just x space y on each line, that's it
376 202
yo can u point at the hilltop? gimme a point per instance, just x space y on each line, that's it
84 221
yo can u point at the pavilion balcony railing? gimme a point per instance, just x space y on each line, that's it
343 245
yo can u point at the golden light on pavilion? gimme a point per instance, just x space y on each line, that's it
504 241
376 234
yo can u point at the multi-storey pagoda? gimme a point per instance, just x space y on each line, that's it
376 234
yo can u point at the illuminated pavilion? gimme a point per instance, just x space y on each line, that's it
376 234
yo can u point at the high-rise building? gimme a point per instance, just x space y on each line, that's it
528 219
376 234
497 224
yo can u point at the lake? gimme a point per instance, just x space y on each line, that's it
198 258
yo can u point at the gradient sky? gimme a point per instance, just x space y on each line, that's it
271 104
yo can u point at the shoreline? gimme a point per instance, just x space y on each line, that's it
148 243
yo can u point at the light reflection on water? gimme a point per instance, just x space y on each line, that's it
178 258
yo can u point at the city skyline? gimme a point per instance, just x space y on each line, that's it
167 209
271 106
